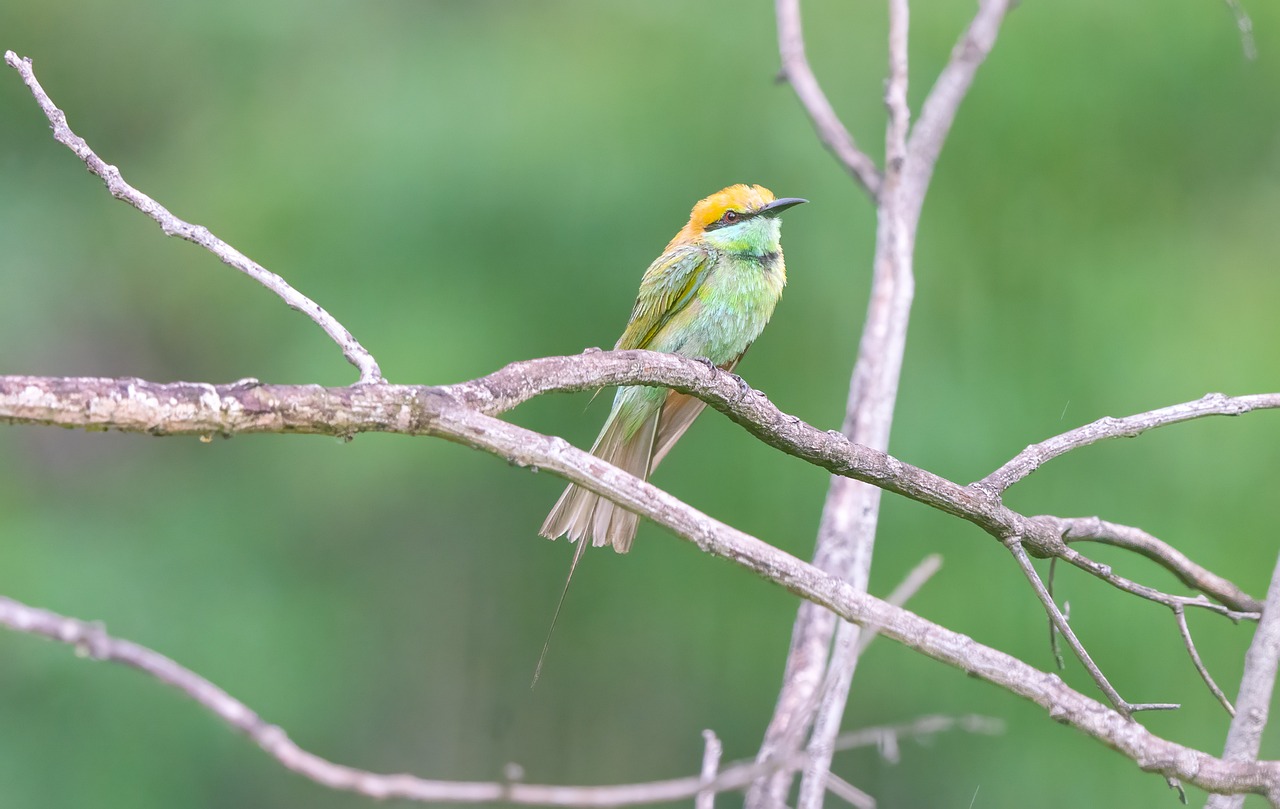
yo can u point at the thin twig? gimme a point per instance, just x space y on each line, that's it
1177 604
832 133
1253 703
922 728
1181 614
437 413
904 592
1064 629
1104 429
1066 616
1105 573
173 226
1095 529
849 793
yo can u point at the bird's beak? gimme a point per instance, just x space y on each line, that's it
779 205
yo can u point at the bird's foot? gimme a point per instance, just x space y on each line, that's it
743 388
711 366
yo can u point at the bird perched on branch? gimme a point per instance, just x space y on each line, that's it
708 296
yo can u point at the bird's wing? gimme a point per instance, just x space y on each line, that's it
668 286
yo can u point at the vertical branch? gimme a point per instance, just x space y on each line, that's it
855 508
1252 703
712 749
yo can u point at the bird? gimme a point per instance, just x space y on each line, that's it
707 297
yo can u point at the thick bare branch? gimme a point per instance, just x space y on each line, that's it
832 133
851 514
173 226
183 408
1104 429
134 405
141 406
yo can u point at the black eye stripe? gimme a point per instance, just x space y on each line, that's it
730 217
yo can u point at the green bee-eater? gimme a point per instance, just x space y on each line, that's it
708 296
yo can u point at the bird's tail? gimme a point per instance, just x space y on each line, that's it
584 515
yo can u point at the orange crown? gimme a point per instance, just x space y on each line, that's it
740 197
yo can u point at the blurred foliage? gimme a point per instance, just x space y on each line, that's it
468 184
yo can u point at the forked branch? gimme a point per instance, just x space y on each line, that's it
832 133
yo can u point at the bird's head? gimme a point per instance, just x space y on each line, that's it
737 219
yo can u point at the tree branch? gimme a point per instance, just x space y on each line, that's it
943 102
1095 529
93 641
846 535
183 408
712 749
444 412
1196 661
1107 428
173 226
1064 629
851 514
1253 703
464 413
832 133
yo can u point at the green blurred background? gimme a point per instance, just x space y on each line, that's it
468 184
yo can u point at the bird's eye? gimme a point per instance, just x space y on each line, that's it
729 217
